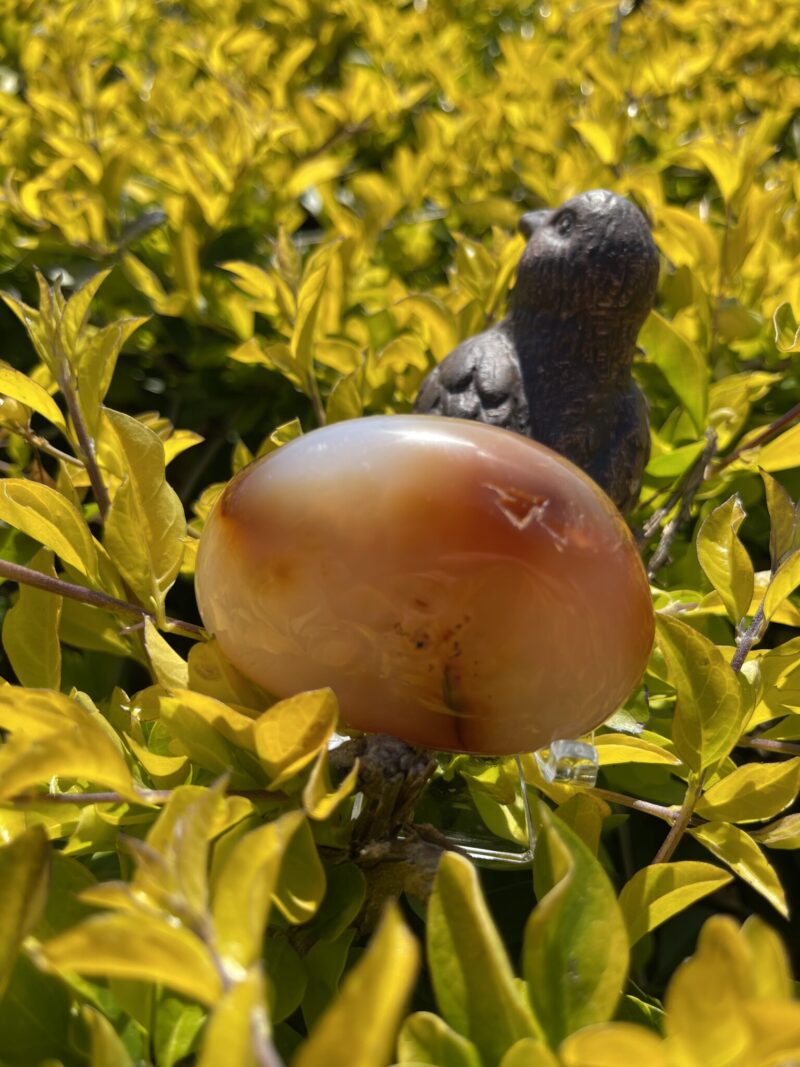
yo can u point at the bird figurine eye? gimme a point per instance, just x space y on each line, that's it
564 223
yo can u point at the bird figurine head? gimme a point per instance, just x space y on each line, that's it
593 255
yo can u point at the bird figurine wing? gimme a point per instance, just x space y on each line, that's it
479 380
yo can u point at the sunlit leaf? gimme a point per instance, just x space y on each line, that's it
741 853
575 952
470 971
724 558
31 631
425 1038
49 518
24 876
656 893
376 989
752 793
708 715
138 947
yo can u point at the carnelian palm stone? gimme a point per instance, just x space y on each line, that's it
457 585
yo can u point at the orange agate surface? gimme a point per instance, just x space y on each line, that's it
457 585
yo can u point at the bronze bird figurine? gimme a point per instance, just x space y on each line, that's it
557 368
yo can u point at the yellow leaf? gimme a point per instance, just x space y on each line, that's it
49 518
237 1023
244 888
613 1045
168 668
145 523
741 853
290 734
55 737
724 558
656 893
30 631
22 388
624 748
376 989
320 799
752 793
24 879
139 947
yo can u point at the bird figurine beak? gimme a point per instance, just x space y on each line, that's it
531 221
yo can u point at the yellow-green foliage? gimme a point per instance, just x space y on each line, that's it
276 214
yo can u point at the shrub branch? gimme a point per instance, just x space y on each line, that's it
27 576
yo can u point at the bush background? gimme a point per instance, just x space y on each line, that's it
309 204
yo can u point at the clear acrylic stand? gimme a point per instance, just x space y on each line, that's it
481 805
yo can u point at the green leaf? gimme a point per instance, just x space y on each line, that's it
425 1038
145 524
105 1047
238 1025
290 734
287 979
24 877
177 1024
375 990
138 946
20 387
76 311
36 1017
656 893
783 524
724 558
31 628
49 518
97 357
575 952
784 833
681 363
783 582
245 887
309 297
470 971
752 793
300 888
709 710
741 853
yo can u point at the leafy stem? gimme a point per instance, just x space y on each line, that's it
750 638
43 445
86 444
684 816
27 576
661 811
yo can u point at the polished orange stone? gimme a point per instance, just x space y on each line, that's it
457 585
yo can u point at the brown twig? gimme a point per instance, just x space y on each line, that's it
43 445
768 744
766 434
146 796
27 576
659 810
692 483
684 817
86 444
